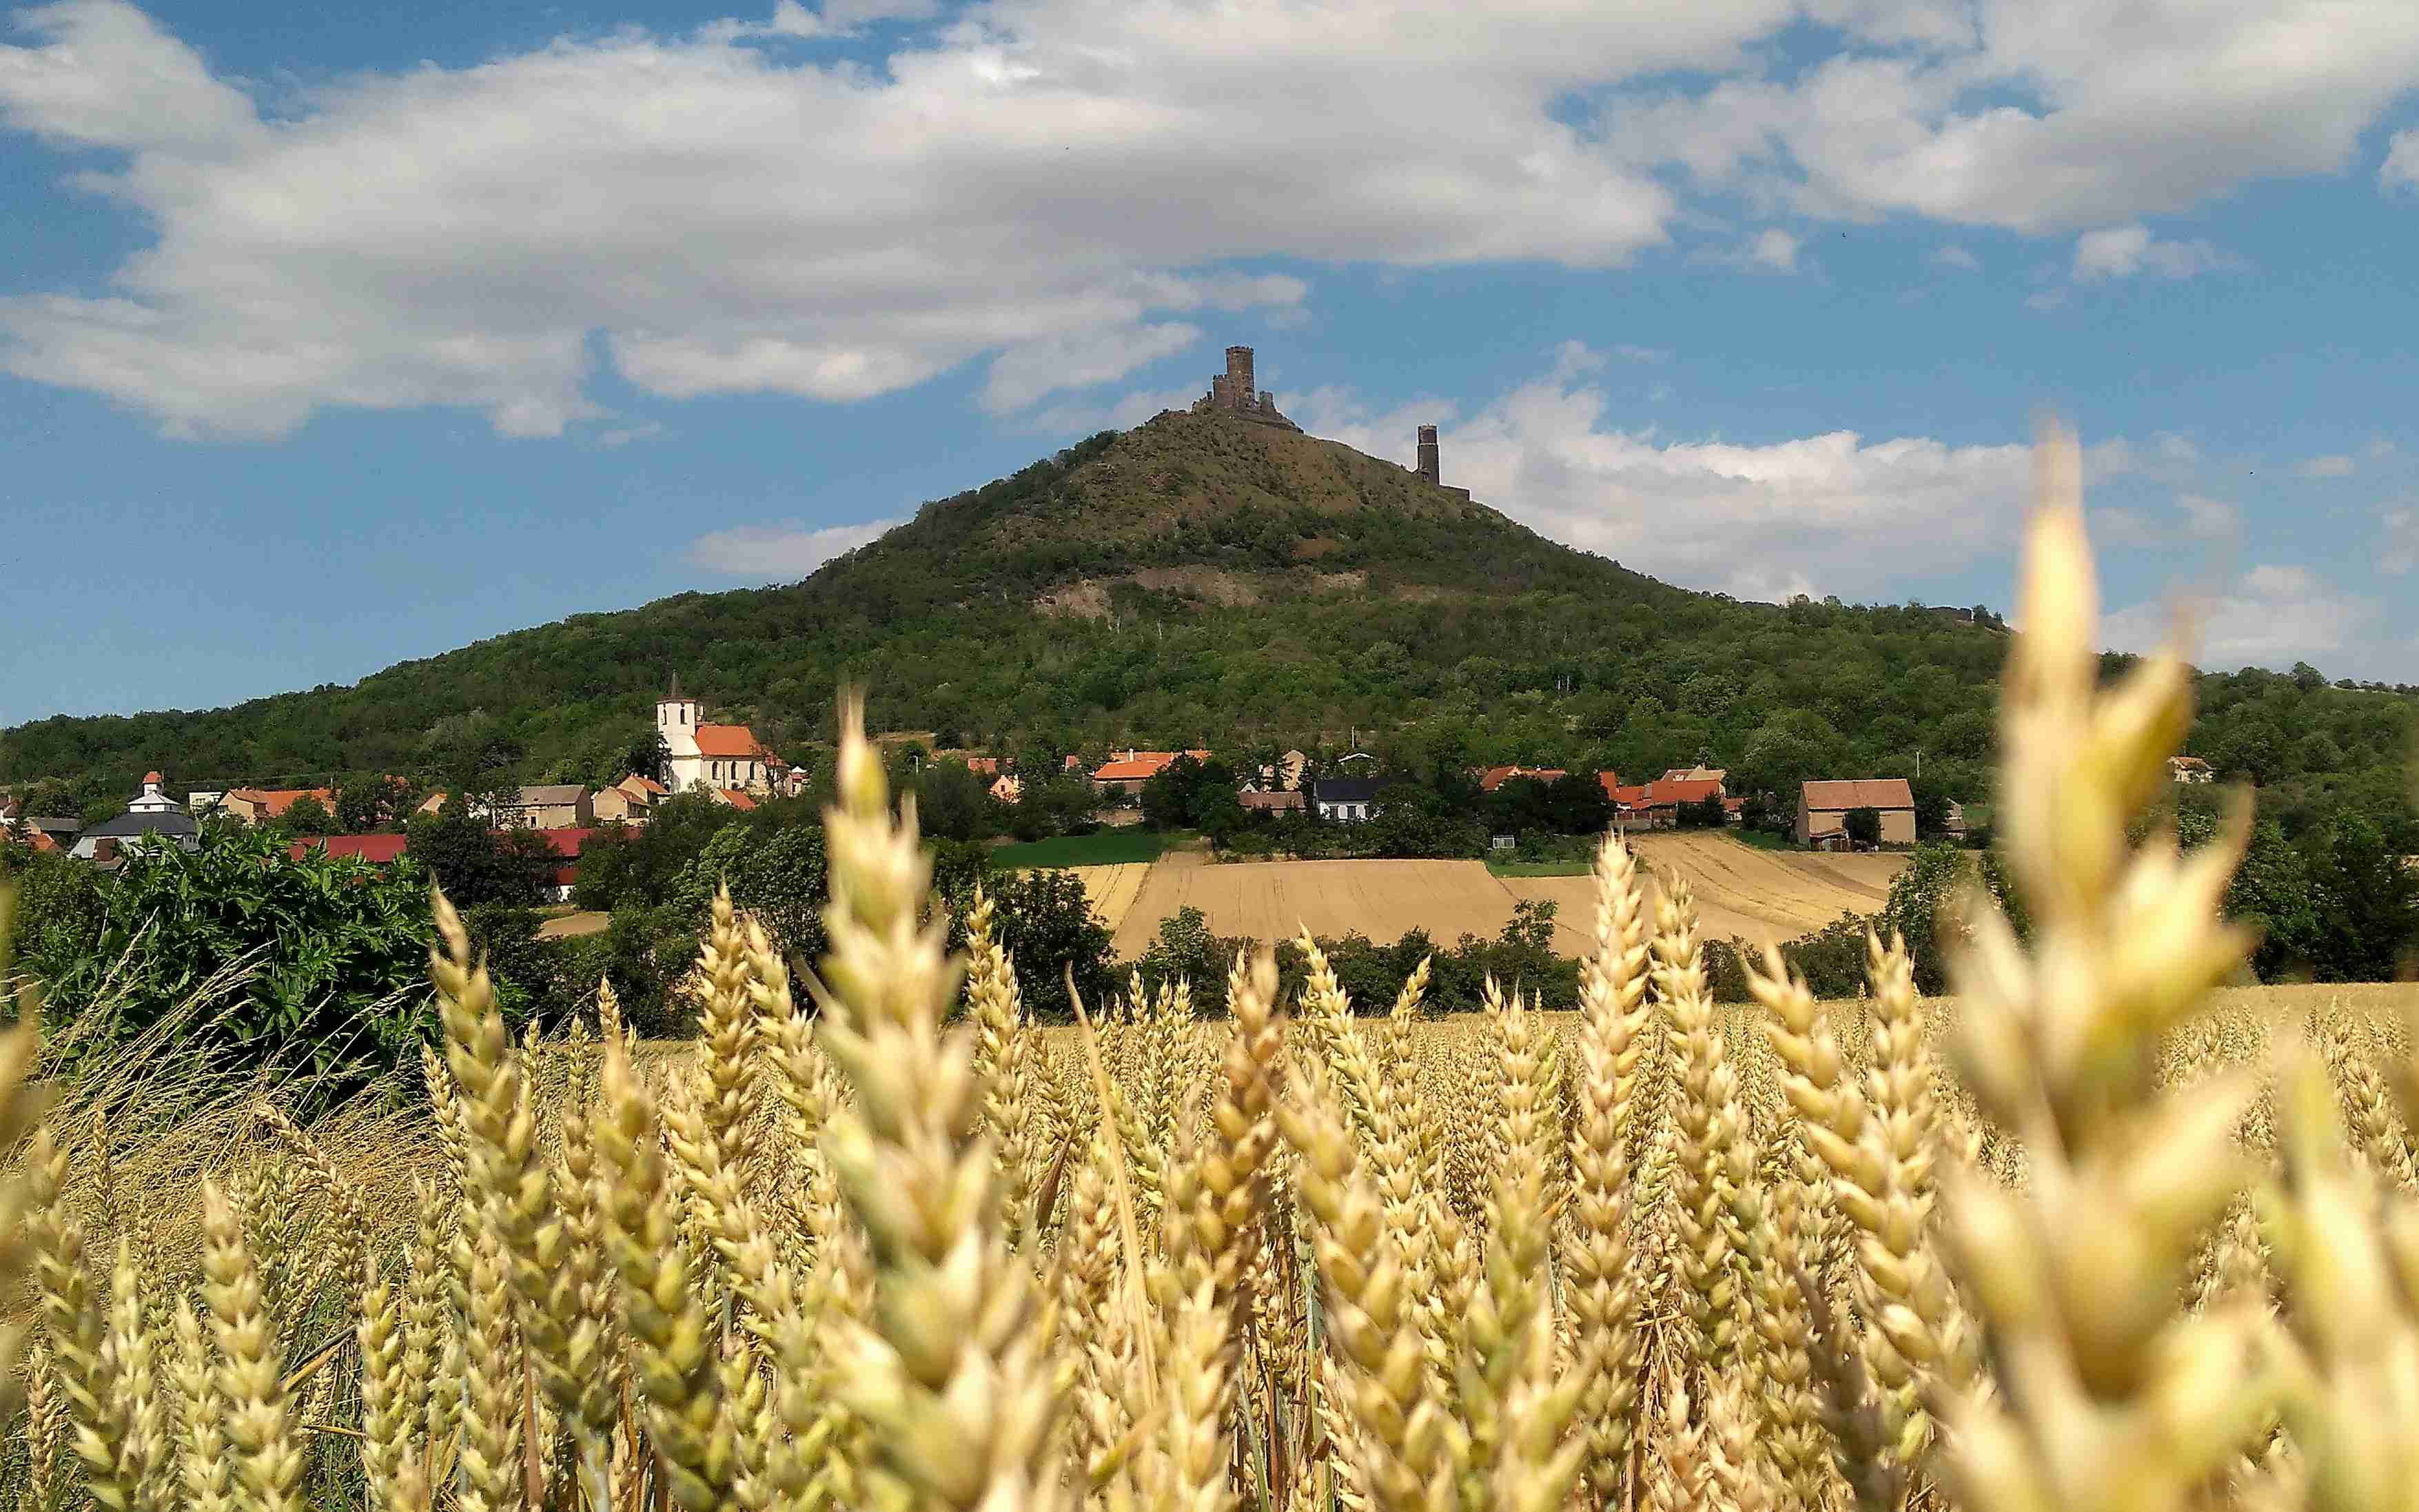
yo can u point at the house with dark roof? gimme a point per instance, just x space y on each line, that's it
1345 800
151 818
1823 809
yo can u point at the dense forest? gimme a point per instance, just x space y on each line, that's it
1203 581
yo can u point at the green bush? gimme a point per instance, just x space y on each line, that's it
241 955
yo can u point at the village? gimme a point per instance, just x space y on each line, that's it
728 765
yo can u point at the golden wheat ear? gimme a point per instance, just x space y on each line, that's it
2079 1279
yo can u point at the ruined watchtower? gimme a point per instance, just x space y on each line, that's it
1233 391
1428 467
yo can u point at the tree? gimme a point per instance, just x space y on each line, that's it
648 756
306 816
372 803
1045 921
1186 951
1167 796
1863 826
476 865
1703 813
2368 913
952 802
1576 804
241 955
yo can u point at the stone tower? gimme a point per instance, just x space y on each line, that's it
1238 373
1428 467
1234 392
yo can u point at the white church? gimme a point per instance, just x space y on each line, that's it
715 757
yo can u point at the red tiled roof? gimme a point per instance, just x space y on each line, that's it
737 799
986 765
375 849
1630 797
1611 782
1495 776
151 778
728 740
277 800
567 841
1143 764
1664 790
637 785
1859 792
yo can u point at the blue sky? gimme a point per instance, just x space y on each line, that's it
335 335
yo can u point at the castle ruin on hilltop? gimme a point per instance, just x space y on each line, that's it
1233 392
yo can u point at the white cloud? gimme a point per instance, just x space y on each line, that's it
734 215
1123 413
2122 251
1956 257
2400 551
1075 360
2050 114
2400 169
2209 519
769 554
1775 249
2175 448
621 436
2120 525
1755 520
1643 354
2334 466
2271 616
1573 358
1769 251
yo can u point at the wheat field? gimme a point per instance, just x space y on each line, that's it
2088 1236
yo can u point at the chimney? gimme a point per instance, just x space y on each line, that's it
1427 467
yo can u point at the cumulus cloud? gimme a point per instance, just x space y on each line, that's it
734 213
1832 513
2333 465
2209 519
1027 371
735 209
768 553
2050 116
1123 413
2400 169
1956 257
2122 251
2399 550
2271 616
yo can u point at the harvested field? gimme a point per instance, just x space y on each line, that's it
1275 900
570 926
1114 888
1764 897
1760 896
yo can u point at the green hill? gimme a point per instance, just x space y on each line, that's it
1202 580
